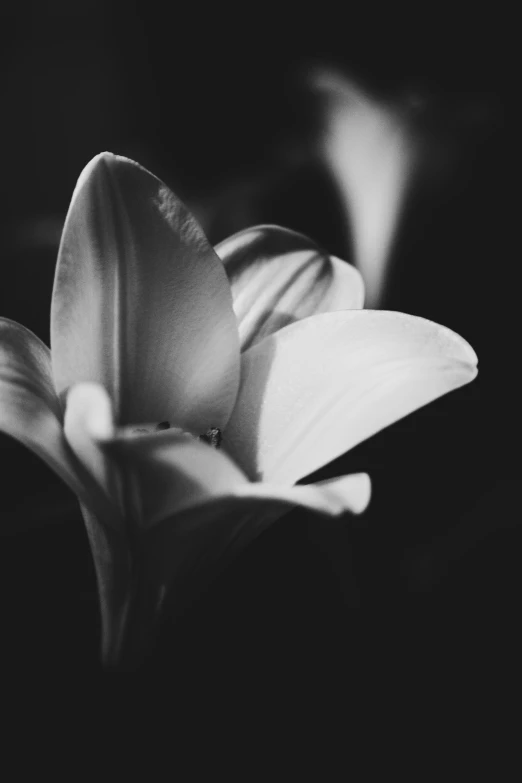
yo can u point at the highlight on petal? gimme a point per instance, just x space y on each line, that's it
141 303
88 422
315 389
279 276
370 153
29 408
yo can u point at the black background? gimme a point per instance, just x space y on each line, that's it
428 579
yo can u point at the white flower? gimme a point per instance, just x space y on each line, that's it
259 342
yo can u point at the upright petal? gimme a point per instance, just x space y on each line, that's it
279 276
141 303
317 388
29 407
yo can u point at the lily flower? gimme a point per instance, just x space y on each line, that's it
188 389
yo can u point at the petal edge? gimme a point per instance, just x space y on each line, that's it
279 276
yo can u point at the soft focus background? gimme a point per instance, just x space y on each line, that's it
428 581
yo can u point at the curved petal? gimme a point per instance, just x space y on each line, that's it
172 472
141 303
29 407
317 388
331 497
279 276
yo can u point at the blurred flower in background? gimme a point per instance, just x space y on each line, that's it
370 150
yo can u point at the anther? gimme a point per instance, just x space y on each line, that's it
213 437
163 425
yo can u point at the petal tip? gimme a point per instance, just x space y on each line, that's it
464 349
95 165
355 491
464 352
102 162
105 156
364 493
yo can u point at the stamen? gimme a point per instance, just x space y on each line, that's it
213 437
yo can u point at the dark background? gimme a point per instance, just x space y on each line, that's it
428 580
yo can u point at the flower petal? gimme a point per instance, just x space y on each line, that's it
172 472
317 388
141 303
29 408
331 497
177 473
279 276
